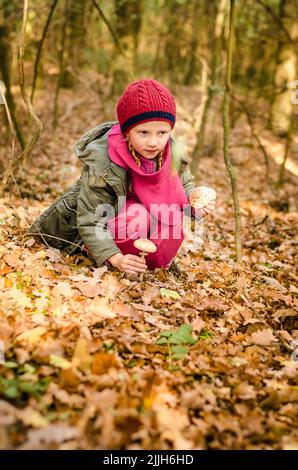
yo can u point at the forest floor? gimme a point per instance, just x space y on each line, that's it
203 356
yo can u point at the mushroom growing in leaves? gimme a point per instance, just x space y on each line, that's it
145 246
201 196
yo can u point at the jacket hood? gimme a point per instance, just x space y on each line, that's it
86 143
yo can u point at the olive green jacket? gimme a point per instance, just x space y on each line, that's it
72 219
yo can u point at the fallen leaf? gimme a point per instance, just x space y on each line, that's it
64 288
245 391
46 437
198 324
59 361
11 260
81 357
274 283
32 336
263 337
90 288
53 254
69 379
102 362
99 272
169 293
31 417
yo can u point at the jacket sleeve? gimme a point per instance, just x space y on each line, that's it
187 180
91 220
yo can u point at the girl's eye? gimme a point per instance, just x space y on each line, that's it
146 132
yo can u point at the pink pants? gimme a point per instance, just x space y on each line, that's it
133 222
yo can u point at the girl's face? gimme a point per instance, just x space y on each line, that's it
150 138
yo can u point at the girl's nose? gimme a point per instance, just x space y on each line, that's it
152 142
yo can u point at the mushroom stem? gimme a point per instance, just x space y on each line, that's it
144 246
142 254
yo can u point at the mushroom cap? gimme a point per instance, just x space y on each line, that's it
143 244
201 196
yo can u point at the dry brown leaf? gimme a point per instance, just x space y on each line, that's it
53 254
100 308
32 336
102 362
31 417
99 272
263 337
5 269
12 260
46 437
63 288
198 324
282 313
81 357
90 288
274 283
69 379
245 391
150 294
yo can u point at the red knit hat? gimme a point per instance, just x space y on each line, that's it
145 100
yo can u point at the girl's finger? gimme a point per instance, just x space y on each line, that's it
209 207
140 269
136 258
135 264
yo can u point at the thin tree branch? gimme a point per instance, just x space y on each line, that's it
40 45
17 160
116 40
254 134
277 20
226 128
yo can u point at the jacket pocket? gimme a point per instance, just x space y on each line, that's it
96 178
58 223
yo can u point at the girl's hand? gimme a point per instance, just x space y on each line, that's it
208 208
130 264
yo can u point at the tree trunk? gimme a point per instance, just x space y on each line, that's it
61 54
74 42
15 163
123 69
190 75
286 70
5 66
39 49
212 89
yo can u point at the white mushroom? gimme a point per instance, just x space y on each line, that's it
201 196
145 246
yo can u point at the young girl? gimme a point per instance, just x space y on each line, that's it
135 184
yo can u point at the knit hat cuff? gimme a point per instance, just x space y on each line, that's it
148 116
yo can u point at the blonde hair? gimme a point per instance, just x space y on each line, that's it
137 159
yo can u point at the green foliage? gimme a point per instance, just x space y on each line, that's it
205 334
15 388
178 342
169 293
180 336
